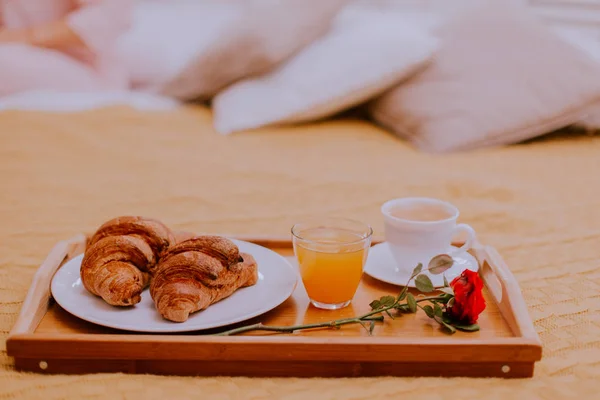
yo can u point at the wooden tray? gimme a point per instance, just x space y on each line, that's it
46 339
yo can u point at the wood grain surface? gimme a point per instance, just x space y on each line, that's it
506 345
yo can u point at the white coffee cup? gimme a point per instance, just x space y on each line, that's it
420 228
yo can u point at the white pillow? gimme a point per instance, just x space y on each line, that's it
585 40
500 77
166 36
265 34
365 53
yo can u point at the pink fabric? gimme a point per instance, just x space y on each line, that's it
24 68
99 23
24 13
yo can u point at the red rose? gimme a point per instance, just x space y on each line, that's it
468 298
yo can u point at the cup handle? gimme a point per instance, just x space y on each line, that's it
471 237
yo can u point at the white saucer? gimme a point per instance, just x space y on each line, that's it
382 266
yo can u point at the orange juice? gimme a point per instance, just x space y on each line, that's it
331 264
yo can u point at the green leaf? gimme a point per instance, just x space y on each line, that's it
467 328
446 318
437 310
403 308
446 284
372 327
417 269
390 315
429 311
439 264
449 327
375 304
444 298
423 283
402 294
412 303
447 290
450 303
387 301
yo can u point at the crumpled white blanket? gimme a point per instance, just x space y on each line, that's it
53 101
588 41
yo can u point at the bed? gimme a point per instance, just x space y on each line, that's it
537 202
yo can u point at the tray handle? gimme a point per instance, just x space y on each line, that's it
506 291
35 304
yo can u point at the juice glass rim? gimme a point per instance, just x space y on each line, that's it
366 229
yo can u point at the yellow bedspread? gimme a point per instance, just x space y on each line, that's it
538 203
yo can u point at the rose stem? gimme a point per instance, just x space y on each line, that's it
289 329
330 324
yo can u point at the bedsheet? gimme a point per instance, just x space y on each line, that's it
538 203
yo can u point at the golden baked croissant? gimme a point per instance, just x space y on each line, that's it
198 272
120 257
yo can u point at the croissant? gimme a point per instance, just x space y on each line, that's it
120 258
199 272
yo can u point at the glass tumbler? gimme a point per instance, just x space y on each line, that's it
331 254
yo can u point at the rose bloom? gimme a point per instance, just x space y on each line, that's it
468 298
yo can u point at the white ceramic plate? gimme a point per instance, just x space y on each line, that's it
277 281
381 265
